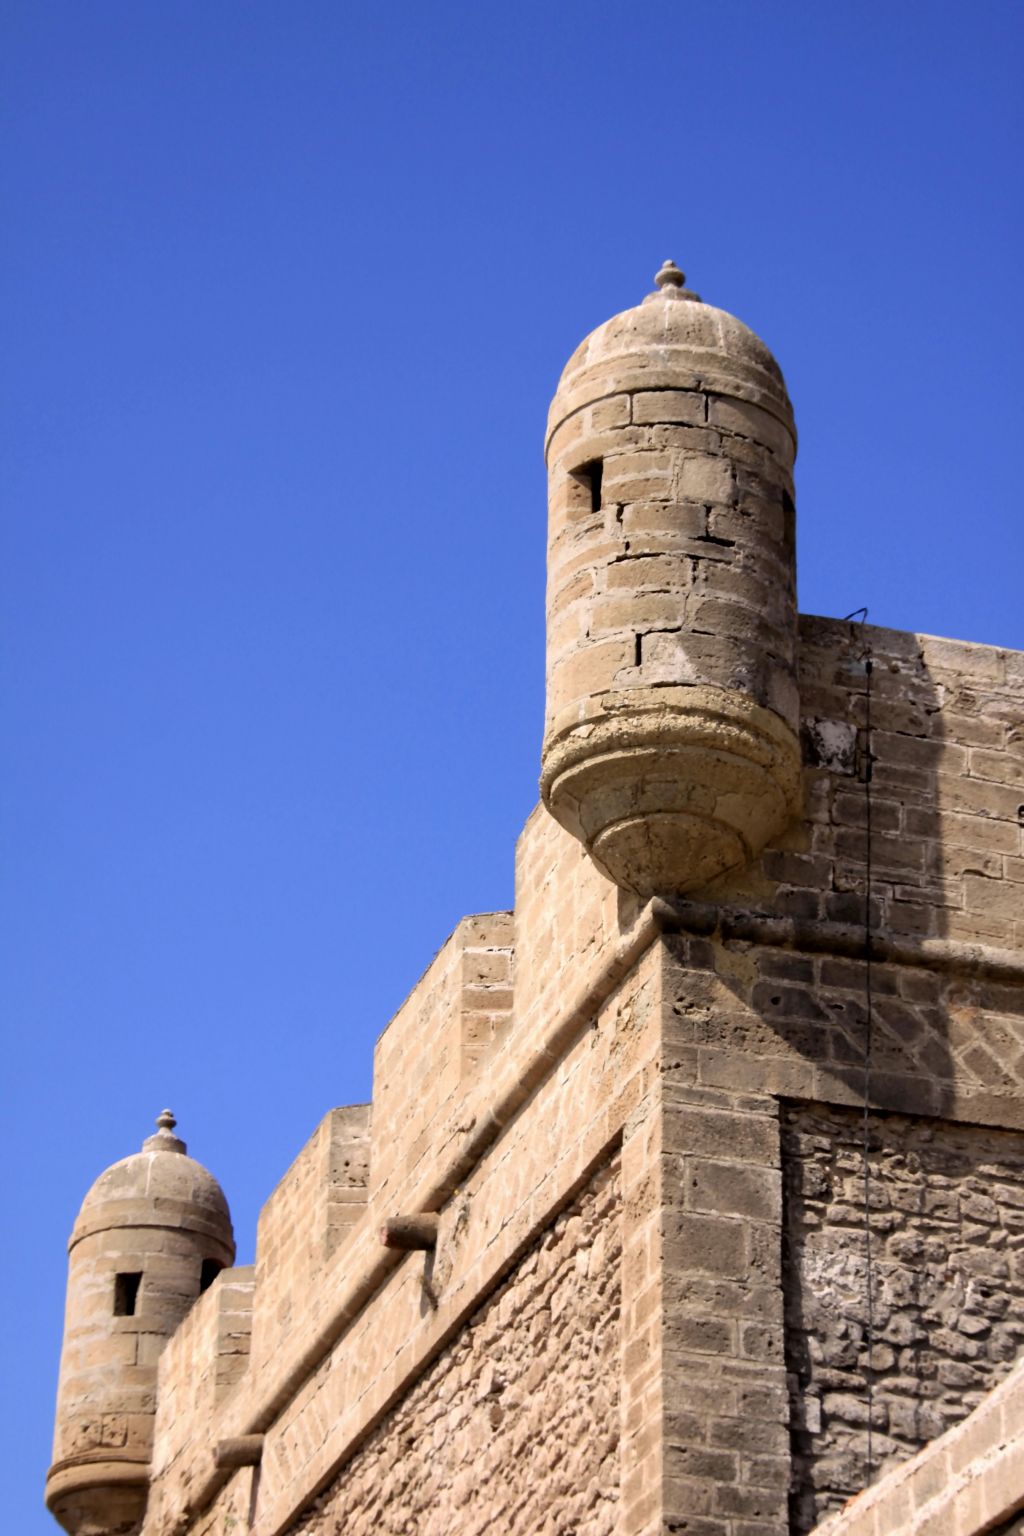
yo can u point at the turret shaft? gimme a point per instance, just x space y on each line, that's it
153 1232
670 747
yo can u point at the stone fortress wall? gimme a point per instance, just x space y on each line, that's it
629 1128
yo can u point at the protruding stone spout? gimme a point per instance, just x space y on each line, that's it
241 1451
410 1232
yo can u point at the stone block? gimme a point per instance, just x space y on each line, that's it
672 405
711 1132
704 1244
747 420
738 1189
994 898
707 480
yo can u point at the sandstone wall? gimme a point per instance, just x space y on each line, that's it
441 1036
315 1204
947 789
206 1357
515 1426
767 990
581 1083
683 1034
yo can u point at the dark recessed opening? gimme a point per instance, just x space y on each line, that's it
126 1293
789 523
588 478
208 1274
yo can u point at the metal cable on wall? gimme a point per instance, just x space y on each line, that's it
867 762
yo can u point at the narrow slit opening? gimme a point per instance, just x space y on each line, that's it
208 1273
596 468
789 523
126 1293
588 480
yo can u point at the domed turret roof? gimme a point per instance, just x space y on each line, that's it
159 1186
672 340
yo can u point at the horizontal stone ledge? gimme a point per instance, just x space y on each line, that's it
119 1468
705 920
410 1232
240 1451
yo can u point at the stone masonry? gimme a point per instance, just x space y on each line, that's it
947 1223
516 1424
605 1255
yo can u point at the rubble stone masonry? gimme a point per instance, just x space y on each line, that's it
515 1427
946 1206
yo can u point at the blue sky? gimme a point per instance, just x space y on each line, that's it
288 289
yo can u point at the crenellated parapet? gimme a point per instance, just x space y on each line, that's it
207 1356
310 1212
453 1072
436 1047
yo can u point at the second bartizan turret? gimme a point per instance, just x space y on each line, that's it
153 1232
670 746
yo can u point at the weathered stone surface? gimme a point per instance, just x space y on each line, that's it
946 1221
584 1353
666 794
153 1230
515 1427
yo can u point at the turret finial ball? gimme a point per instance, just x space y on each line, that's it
669 276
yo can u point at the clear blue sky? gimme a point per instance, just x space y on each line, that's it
288 288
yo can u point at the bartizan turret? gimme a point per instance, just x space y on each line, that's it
670 745
153 1232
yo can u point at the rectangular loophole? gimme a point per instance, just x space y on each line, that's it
587 486
208 1274
126 1293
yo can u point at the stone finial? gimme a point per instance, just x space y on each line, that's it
165 1139
671 284
668 275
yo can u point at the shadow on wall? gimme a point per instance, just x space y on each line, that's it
938 1325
